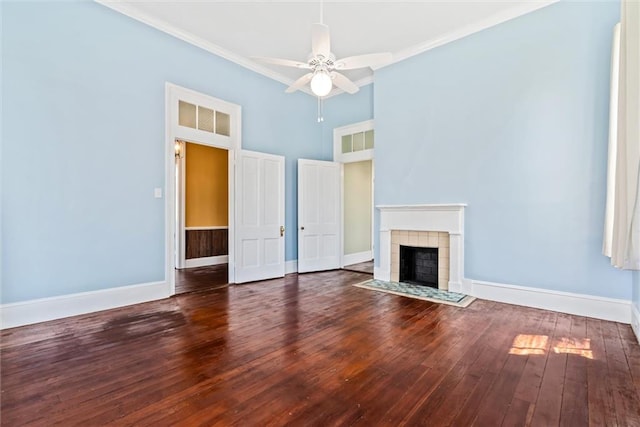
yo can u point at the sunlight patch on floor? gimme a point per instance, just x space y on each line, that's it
581 347
529 344
524 345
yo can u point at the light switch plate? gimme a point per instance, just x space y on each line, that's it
157 193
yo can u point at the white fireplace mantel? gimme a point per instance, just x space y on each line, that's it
432 217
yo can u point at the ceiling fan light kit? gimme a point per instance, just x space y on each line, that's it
321 83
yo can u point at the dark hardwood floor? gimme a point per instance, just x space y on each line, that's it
313 350
362 267
201 279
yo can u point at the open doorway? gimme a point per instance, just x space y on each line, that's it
201 121
357 193
202 217
354 148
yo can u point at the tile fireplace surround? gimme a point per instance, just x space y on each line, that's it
438 226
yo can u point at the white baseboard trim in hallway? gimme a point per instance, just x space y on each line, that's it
291 266
635 321
603 308
357 258
203 262
44 309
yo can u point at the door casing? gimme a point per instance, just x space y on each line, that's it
358 156
173 132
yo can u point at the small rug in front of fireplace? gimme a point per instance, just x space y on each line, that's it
417 291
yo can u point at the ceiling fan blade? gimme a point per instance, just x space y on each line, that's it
299 83
279 61
341 82
320 41
362 61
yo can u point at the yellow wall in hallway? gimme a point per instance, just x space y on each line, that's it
207 186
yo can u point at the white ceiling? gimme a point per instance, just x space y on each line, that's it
239 30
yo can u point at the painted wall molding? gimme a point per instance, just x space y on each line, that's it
356 258
291 266
635 321
194 40
476 27
44 309
604 308
265 71
204 261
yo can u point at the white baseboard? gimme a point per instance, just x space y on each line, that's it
204 261
357 258
565 302
635 321
40 310
291 266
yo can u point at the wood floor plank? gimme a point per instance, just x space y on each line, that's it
534 344
549 402
575 390
494 351
314 350
632 352
625 395
600 398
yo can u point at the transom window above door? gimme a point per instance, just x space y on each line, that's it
353 143
203 118
357 142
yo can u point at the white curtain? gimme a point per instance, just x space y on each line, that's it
622 222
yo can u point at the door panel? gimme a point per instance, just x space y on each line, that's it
260 212
318 215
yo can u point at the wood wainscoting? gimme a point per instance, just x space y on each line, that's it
206 242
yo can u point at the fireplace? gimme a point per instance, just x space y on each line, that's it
419 266
416 244
439 226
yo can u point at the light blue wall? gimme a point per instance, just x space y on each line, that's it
513 121
83 143
345 110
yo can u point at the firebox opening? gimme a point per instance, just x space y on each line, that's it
419 266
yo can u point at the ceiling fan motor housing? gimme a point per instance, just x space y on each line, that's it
329 63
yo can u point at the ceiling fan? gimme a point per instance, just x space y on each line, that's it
324 67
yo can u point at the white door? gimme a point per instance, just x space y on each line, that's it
259 216
319 215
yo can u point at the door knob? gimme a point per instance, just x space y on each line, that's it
281 230
302 228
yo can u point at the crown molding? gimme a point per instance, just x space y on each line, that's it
499 18
125 9
192 39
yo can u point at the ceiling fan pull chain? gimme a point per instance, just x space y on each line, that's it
320 115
